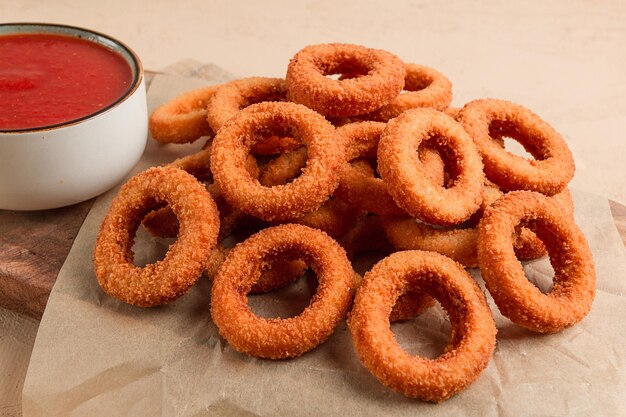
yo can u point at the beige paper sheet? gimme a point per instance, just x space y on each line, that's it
95 356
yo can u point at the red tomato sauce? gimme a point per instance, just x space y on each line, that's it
50 79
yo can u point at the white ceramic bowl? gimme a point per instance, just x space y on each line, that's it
57 166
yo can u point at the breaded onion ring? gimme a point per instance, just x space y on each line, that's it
308 84
359 186
553 166
460 243
286 202
281 338
183 119
473 328
573 290
406 177
171 277
424 87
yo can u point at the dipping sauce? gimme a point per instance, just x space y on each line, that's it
48 79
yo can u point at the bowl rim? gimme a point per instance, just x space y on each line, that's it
133 62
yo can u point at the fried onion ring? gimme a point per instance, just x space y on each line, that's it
165 280
473 328
281 338
286 202
406 177
573 290
553 166
183 119
359 186
424 86
308 84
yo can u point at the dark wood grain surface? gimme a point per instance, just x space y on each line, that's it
34 246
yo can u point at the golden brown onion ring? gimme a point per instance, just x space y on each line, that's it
286 202
553 166
308 84
281 338
167 279
572 293
473 329
406 177
183 119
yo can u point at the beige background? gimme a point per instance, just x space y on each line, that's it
566 60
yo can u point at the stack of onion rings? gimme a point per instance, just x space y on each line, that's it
429 159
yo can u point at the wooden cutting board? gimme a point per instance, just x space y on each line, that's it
34 246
